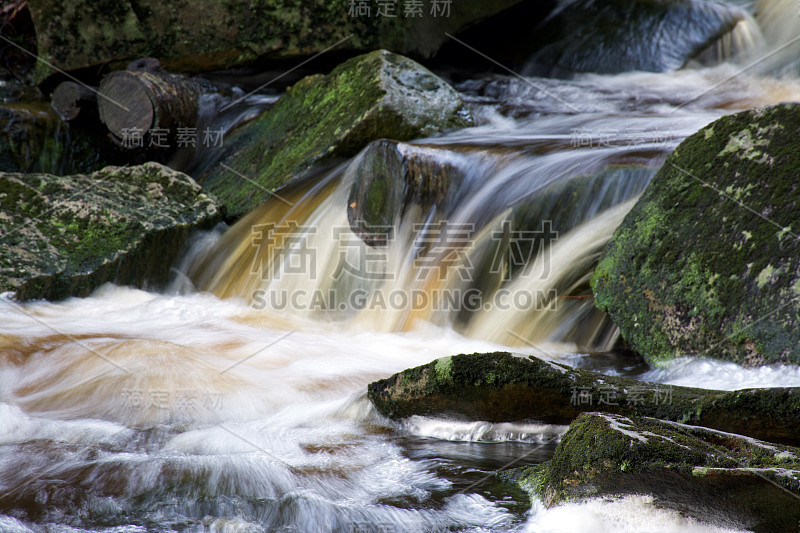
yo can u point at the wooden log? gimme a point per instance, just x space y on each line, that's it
149 99
146 64
72 99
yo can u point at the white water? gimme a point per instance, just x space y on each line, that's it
285 439
628 514
131 411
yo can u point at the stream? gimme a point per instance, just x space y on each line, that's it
235 400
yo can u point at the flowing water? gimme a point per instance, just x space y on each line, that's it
235 400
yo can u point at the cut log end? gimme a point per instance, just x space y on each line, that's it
141 102
125 104
70 99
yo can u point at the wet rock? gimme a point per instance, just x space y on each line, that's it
391 177
33 138
614 36
64 236
503 387
564 204
17 31
190 37
322 118
723 478
708 261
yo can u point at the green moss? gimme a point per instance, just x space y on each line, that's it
694 267
326 117
74 233
502 387
745 481
444 369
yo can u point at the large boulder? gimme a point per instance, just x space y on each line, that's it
64 236
189 37
612 36
708 261
722 478
560 37
504 387
320 118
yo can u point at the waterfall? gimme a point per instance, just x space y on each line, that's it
525 233
779 21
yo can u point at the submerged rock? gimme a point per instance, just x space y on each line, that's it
708 261
503 387
723 478
64 236
375 95
613 36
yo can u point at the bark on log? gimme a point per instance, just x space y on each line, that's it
145 100
72 99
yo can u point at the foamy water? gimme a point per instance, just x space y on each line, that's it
627 514
130 411
214 416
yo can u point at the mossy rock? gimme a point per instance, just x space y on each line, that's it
505 387
64 236
613 36
390 176
320 118
727 479
708 261
214 35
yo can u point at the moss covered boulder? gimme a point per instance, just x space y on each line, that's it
505 387
213 35
375 95
727 479
64 236
708 261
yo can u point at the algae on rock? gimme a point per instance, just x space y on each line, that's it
734 481
322 118
708 261
221 34
65 235
505 387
